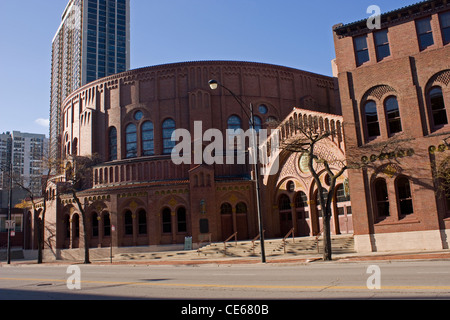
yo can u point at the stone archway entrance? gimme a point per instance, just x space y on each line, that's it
285 214
302 212
226 214
234 220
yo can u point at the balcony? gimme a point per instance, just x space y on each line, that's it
139 170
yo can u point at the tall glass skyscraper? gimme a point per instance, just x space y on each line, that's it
92 41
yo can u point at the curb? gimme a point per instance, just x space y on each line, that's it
243 261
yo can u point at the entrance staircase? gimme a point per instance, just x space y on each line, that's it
277 248
241 249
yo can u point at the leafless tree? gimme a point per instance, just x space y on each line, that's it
37 196
441 170
306 141
78 178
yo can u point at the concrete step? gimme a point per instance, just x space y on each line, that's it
273 248
15 254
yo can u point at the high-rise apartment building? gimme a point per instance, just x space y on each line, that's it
27 152
5 158
92 42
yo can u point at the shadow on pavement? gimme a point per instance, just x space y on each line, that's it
16 294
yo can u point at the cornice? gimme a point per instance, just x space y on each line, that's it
392 18
168 70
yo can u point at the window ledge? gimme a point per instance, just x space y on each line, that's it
385 59
372 141
392 221
439 130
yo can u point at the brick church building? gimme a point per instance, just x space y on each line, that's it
391 98
395 93
139 197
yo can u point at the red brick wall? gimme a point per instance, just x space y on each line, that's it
409 73
181 92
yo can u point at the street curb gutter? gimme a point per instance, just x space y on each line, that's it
337 259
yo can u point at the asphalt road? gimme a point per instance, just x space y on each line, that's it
319 280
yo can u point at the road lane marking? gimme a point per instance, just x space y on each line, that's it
190 285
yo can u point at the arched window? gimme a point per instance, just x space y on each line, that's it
128 219
285 214
166 221
301 201
325 199
340 194
106 224
325 196
142 220
438 107
226 208
112 139
284 203
373 127
94 224
75 147
342 200
393 115
382 199
263 109
301 205
272 122
258 123
131 141
168 129
147 136
404 196
241 207
76 225
234 123
290 186
138 115
67 226
181 220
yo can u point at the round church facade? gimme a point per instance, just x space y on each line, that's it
137 196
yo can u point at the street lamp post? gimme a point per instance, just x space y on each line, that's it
8 228
9 211
214 84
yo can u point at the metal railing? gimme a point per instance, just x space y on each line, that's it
317 240
291 232
234 235
254 241
201 241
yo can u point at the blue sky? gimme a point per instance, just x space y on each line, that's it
293 33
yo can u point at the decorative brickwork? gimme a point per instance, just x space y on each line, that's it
140 199
395 197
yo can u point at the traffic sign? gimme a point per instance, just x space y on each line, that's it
10 224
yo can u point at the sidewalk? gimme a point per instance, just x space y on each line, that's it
305 259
